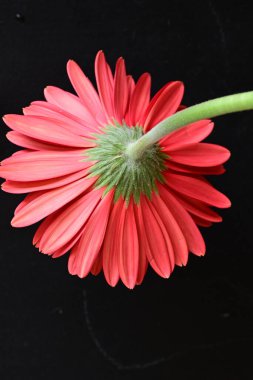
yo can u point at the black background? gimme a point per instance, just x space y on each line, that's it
198 324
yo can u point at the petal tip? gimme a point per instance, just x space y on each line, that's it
7 118
130 285
71 64
14 222
48 89
179 84
99 54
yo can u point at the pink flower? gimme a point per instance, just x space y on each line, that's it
112 214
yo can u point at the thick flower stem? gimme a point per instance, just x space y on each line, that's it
205 110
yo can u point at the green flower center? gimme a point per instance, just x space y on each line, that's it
115 169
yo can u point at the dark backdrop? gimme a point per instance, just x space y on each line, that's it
197 324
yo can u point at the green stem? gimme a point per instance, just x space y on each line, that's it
205 110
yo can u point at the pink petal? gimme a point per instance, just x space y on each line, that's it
212 170
69 102
191 133
142 268
120 90
164 104
85 90
143 247
41 165
60 252
140 99
42 227
31 143
16 187
201 222
198 208
86 250
189 229
177 238
21 205
128 255
161 250
97 265
45 129
112 243
181 107
42 203
130 85
200 154
104 84
71 122
26 155
65 248
197 188
69 222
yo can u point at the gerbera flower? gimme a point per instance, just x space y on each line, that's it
113 212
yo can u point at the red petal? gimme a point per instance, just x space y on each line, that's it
198 208
85 90
42 203
191 133
86 250
42 227
69 102
140 99
72 123
191 232
69 222
33 144
45 129
120 90
177 238
17 187
201 222
41 165
130 85
128 256
197 188
97 265
200 154
143 246
112 243
161 251
164 104
212 170
104 84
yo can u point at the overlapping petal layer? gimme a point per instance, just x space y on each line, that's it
120 239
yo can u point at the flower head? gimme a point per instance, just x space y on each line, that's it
114 213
